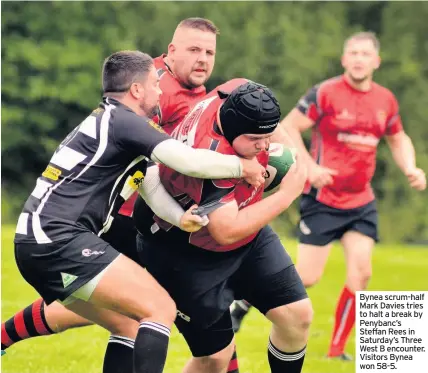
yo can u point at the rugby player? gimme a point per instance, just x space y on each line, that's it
348 116
237 254
57 245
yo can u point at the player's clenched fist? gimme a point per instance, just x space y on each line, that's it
253 172
192 223
294 181
417 178
320 176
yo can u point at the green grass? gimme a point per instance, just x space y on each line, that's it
81 350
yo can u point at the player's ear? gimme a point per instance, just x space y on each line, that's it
377 63
137 91
342 60
171 49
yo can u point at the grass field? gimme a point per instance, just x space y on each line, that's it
81 350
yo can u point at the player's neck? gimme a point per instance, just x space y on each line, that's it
131 104
363 85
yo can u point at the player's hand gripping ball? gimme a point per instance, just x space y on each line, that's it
281 158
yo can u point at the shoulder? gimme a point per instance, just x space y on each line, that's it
383 92
330 86
325 87
122 115
319 93
125 120
230 85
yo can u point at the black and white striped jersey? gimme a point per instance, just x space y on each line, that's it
92 172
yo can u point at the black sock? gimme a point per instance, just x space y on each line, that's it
233 364
150 347
119 355
281 362
27 323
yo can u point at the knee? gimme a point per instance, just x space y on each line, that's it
365 276
310 281
309 278
359 279
216 362
303 315
294 319
163 308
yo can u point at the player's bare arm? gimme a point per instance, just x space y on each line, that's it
295 123
281 136
403 152
166 207
228 224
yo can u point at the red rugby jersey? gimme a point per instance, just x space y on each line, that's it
200 130
348 126
175 102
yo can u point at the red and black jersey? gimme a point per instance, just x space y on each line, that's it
175 100
200 130
174 104
348 126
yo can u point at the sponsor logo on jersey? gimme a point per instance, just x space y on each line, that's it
156 126
51 173
249 199
381 117
136 180
345 114
97 111
67 279
89 252
354 139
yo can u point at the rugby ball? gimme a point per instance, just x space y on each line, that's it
281 158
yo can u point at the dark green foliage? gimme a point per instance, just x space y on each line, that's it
52 54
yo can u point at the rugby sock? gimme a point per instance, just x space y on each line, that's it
280 362
345 320
233 364
150 347
119 355
28 323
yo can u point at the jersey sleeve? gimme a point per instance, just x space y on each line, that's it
215 193
138 135
393 123
310 104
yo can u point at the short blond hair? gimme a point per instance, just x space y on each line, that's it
364 35
202 24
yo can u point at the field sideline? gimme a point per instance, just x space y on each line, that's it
81 351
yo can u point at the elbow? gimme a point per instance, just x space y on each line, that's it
225 237
226 241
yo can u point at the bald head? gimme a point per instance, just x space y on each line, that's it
191 53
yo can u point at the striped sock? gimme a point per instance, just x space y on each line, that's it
233 364
119 354
280 362
150 347
28 323
344 322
